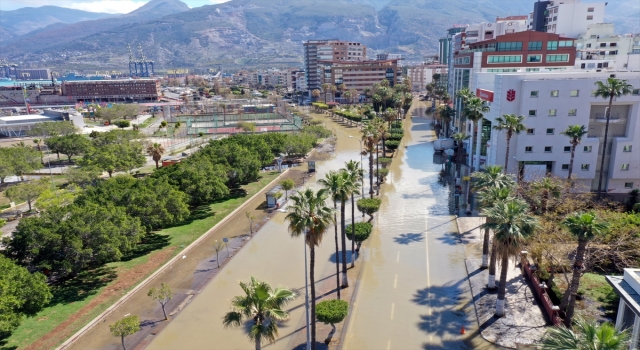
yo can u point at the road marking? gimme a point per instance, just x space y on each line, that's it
392 307
398 257
395 282
389 345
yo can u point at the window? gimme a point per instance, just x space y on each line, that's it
535 93
555 93
628 185
533 69
626 148
553 112
548 149
550 131
573 112
590 9
603 44
588 45
565 166
528 149
624 167
584 167
587 149
557 58
504 59
574 93
534 58
532 112
509 46
552 45
567 148
613 44
634 92
535 45
531 131
589 18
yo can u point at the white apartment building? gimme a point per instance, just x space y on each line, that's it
601 49
551 101
568 18
487 30
421 75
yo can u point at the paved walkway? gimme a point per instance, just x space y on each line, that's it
524 323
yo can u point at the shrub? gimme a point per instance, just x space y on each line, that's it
123 124
331 312
348 115
396 131
392 145
382 173
369 206
363 231
385 161
320 105
395 137
319 131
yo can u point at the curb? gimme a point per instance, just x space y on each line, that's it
177 257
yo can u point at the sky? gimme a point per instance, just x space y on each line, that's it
108 6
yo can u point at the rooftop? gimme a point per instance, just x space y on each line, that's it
628 287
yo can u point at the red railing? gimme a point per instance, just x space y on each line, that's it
541 293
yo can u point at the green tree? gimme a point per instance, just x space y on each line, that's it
459 139
332 182
309 216
122 124
126 326
609 89
575 134
73 145
82 176
287 185
57 197
474 110
218 246
50 129
202 181
370 142
115 157
20 159
369 206
586 335
156 151
362 231
21 294
117 111
585 227
161 294
511 124
27 191
512 224
346 188
547 188
355 173
262 304
332 312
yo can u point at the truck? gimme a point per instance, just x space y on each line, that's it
442 144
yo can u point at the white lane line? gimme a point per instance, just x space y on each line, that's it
393 305
395 282
389 345
398 257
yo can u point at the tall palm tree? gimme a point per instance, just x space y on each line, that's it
512 224
370 138
382 134
333 90
474 110
585 227
325 90
309 216
347 95
459 138
264 305
511 124
332 182
586 335
377 102
548 188
492 177
354 94
348 186
156 151
611 88
353 168
575 134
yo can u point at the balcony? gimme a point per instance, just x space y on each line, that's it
613 118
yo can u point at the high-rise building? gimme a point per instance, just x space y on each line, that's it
421 75
568 18
329 50
444 51
359 75
600 49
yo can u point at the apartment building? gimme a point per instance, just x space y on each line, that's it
422 75
112 90
329 50
360 75
599 48
487 30
567 18
551 101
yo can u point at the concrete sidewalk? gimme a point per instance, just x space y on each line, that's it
524 323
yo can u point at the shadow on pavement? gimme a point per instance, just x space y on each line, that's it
408 238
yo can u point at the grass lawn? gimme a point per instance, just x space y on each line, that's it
596 298
148 122
75 294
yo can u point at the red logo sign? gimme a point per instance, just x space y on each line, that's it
485 94
511 95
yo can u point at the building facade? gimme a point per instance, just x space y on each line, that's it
627 287
112 90
487 30
33 74
360 75
421 75
567 18
328 50
599 48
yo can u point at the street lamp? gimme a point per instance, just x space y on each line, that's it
361 168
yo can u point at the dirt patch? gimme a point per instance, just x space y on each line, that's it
126 280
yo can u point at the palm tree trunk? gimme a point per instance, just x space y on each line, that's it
312 281
485 249
573 153
492 267
575 281
604 147
506 156
353 232
476 164
345 280
157 167
335 207
377 169
258 343
471 142
371 173
502 287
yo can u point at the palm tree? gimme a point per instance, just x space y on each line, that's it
611 88
155 151
347 188
584 226
586 335
353 168
315 93
459 138
474 110
548 188
575 133
347 95
377 102
354 94
332 182
369 136
264 305
309 216
512 224
325 89
511 124
333 90
491 177
38 142
382 133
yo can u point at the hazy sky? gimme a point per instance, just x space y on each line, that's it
109 6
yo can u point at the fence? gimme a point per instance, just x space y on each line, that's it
540 290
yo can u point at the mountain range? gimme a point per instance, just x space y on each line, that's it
255 32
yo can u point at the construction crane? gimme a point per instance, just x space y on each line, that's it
133 63
144 63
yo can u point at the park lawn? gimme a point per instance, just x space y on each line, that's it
81 291
148 122
599 299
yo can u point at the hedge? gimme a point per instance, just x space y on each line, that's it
363 231
348 115
369 205
384 161
396 131
320 105
332 311
382 172
392 145
395 137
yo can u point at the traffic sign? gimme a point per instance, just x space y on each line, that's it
225 240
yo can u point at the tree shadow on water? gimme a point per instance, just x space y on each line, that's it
408 238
